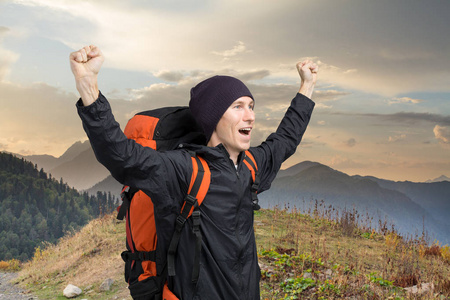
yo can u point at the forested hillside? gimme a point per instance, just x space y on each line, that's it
34 207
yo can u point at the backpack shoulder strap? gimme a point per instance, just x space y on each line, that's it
250 162
200 180
198 187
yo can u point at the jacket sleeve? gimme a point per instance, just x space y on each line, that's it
159 175
281 144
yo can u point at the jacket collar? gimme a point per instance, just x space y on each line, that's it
212 153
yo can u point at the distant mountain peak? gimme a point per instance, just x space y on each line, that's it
74 150
438 179
298 168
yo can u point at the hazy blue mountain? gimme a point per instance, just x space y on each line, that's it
82 171
434 197
44 161
366 194
109 184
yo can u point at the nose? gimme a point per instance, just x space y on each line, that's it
249 115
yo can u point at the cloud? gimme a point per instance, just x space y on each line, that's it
7 57
3 30
254 75
172 76
238 49
442 134
411 117
350 143
396 138
323 105
38 119
341 162
404 117
405 100
328 95
395 54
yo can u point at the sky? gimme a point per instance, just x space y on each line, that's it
382 96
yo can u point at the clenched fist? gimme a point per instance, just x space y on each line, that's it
307 70
85 64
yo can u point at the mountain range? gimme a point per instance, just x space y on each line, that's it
77 166
409 206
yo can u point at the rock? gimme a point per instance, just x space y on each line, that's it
106 285
267 269
72 291
420 289
328 274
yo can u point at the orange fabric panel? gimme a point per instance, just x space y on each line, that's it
141 129
149 268
144 235
167 294
141 216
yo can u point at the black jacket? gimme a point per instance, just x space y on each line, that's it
229 263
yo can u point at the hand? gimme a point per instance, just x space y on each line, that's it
86 62
85 65
307 70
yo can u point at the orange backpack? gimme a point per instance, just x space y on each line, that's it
149 261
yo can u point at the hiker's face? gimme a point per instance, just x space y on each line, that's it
235 127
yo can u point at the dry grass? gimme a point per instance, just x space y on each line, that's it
84 259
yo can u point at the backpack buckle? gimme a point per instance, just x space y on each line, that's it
180 221
191 200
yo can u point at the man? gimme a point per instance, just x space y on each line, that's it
223 107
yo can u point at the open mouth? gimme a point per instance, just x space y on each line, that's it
245 131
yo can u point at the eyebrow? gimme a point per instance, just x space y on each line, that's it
252 102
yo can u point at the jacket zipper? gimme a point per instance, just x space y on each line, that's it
239 258
238 216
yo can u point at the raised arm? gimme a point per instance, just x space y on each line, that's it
281 144
163 175
85 64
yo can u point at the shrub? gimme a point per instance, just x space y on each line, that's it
445 253
10 265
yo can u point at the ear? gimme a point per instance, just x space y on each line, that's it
214 140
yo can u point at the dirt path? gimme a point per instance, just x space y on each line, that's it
11 291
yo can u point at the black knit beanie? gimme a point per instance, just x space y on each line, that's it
212 97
